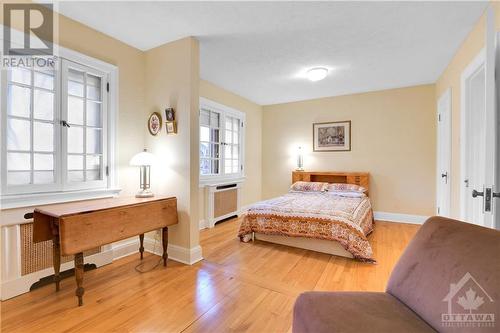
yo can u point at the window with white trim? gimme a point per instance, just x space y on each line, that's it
221 142
30 134
55 128
83 126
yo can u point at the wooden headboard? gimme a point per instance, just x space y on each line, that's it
358 178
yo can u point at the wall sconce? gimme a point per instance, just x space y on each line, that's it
300 160
144 160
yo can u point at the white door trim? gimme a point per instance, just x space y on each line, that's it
496 185
443 210
490 118
475 64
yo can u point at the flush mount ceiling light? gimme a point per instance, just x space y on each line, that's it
317 73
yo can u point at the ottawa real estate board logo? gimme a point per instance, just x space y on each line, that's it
28 35
469 305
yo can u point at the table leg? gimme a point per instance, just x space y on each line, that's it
79 277
56 260
165 245
141 246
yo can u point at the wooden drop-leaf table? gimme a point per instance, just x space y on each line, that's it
80 226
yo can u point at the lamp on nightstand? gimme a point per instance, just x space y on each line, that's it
144 160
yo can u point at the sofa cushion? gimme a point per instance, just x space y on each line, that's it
318 312
446 252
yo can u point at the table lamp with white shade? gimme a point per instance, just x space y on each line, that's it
144 160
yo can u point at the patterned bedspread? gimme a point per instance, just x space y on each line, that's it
314 215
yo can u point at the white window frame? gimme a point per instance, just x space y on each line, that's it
85 185
224 111
12 199
29 188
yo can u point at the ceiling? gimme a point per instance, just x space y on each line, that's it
260 50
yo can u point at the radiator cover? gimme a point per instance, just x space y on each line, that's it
38 256
222 201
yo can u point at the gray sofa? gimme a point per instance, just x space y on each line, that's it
428 290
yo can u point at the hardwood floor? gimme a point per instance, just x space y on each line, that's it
238 287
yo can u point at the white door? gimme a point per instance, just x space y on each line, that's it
479 135
472 139
444 154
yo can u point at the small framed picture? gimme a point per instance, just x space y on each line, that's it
171 127
154 123
332 136
170 114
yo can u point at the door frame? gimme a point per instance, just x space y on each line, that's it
446 96
478 61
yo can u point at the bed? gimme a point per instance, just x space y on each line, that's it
330 218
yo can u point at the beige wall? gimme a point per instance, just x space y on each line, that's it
450 78
393 138
172 76
252 187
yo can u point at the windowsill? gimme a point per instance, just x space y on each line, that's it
27 200
211 181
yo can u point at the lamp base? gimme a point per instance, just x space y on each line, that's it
144 194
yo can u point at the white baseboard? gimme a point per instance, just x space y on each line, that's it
22 284
402 218
203 224
185 255
177 253
125 248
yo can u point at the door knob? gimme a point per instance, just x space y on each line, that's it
496 194
445 176
476 194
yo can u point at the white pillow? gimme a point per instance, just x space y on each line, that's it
347 194
341 187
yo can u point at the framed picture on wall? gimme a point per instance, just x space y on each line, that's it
154 123
332 136
170 114
171 127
